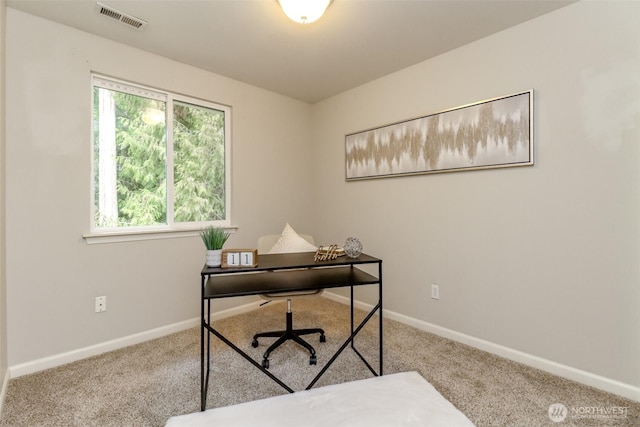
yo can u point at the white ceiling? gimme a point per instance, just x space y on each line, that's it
355 42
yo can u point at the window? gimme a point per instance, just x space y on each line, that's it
160 160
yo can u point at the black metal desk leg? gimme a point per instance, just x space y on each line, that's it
203 396
380 314
352 345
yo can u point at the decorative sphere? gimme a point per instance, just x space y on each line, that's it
352 247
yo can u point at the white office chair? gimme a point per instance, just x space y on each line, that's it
265 243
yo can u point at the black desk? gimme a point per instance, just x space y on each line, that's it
280 273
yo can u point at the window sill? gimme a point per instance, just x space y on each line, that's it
119 236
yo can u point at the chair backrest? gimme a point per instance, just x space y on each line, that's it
266 242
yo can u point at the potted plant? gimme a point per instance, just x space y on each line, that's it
213 239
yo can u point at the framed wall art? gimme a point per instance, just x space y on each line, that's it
495 133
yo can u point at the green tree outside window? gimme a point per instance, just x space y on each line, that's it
148 172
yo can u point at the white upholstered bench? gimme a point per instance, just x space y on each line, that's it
396 400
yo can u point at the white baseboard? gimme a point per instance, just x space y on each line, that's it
83 353
607 384
583 377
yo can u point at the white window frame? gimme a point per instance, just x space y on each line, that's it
171 229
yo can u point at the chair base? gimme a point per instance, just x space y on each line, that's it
286 335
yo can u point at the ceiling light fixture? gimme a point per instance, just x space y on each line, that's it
304 11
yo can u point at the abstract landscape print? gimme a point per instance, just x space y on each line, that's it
489 134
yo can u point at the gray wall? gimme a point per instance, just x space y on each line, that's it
3 287
53 275
542 260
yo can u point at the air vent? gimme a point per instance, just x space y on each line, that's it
122 17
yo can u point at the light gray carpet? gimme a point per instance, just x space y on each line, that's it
145 384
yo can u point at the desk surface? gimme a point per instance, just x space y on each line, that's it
281 273
291 261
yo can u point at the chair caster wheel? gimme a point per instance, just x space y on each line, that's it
323 338
313 360
265 363
254 343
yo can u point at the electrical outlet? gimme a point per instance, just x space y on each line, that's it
435 291
101 304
